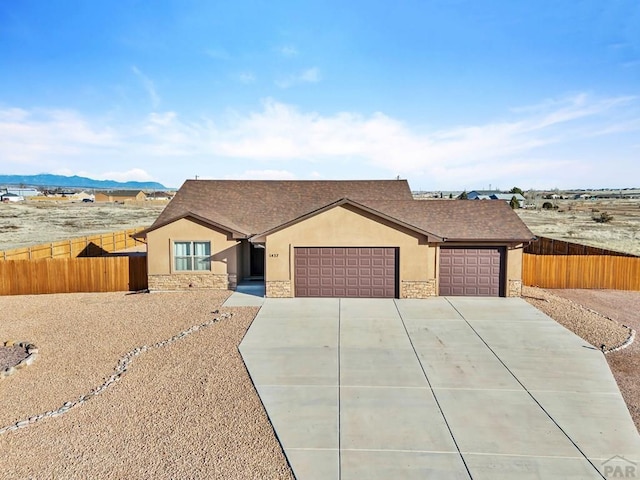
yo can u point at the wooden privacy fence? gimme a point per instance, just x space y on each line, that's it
91 246
69 275
551 246
581 271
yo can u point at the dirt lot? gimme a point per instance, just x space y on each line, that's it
32 223
185 410
573 222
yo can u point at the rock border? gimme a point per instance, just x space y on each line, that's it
32 354
121 368
605 350
628 342
630 339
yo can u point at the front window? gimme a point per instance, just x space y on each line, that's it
192 256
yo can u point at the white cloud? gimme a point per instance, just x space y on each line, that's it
262 175
149 86
246 77
310 75
288 51
551 142
134 174
32 136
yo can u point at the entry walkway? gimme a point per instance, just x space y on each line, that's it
447 388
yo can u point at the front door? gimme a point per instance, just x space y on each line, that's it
256 262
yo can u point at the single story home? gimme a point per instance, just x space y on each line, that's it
158 196
24 192
334 239
83 196
494 195
11 197
120 196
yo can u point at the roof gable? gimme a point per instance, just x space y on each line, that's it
343 202
260 205
249 209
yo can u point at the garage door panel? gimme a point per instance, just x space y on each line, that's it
345 271
469 271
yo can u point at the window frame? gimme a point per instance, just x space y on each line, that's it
191 257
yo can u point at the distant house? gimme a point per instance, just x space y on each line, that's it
83 196
159 196
24 192
493 195
11 197
121 196
480 194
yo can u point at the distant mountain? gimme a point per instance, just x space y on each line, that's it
48 180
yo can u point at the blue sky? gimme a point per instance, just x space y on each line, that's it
449 94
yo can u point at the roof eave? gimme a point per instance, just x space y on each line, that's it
488 240
235 234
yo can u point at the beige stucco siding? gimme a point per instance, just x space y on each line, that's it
347 226
160 247
514 263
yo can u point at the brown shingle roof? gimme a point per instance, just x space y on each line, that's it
459 220
250 207
256 206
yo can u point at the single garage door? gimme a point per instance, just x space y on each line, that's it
368 272
471 271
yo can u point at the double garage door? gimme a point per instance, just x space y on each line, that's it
372 272
367 272
476 272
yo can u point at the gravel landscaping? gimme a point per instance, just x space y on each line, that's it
188 409
184 410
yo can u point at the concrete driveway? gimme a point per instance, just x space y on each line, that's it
441 388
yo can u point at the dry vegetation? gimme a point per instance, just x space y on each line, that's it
573 221
32 223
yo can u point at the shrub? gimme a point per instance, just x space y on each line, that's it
603 218
547 206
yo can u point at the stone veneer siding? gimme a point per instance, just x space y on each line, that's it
186 281
279 289
418 289
515 288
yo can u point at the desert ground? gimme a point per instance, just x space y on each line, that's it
573 221
32 223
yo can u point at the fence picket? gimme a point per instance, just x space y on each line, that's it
68 275
581 271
